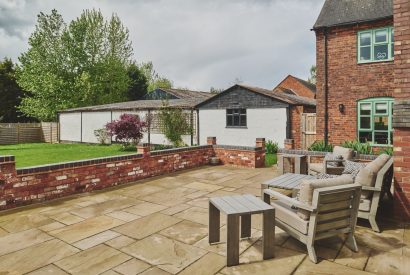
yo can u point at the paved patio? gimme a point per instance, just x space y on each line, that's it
159 226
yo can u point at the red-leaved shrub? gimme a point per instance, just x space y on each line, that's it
128 129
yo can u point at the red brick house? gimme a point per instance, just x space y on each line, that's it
363 69
296 86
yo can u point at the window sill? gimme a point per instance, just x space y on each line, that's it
236 127
375 61
382 145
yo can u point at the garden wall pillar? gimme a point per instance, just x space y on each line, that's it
144 149
289 144
260 143
211 140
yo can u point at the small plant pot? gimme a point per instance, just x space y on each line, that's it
214 161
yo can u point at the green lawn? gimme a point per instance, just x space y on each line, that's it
32 154
270 160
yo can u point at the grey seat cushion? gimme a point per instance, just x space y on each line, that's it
287 215
307 187
364 205
367 175
316 167
346 153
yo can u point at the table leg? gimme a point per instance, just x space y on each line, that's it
297 165
263 186
232 253
268 238
280 164
246 221
214 224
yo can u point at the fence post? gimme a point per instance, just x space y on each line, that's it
18 133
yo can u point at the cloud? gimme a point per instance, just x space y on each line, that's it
196 43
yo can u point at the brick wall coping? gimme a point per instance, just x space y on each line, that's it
318 153
177 150
6 158
244 148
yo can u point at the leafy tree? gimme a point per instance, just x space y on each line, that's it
10 94
139 83
84 63
154 79
129 129
312 78
214 90
175 123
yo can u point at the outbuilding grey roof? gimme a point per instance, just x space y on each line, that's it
188 103
183 93
278 95
345 12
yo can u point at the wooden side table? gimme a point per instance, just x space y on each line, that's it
235 207
300 162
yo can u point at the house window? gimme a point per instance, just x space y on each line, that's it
375 45
375 121
236 118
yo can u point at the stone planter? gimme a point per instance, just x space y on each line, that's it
214 161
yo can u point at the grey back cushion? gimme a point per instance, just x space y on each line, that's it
346 153
307 188
368 175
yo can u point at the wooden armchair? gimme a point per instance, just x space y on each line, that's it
374 188
333 211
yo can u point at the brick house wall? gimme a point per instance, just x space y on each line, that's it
348 81
291 83
401 117
32 185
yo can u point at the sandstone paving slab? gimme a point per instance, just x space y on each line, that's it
196 194
200 202
66 218
105 207
51 226
45 253
166 199
388 263
3 232
144 208
132 267
203 186
120 242
352 259
321 252
24 222
85 229
220 248
110 272
96 239
140 190
196 214
221 193
175 209
88 199
49 269
284 262
385 242
93 261
16 241
326 267
186 231
209 264
166 254
169 182
154 271
124 216
146 226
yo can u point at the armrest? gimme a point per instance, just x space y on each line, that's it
369 188
288 201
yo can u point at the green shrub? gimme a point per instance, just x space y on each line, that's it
271 147
319 145
175 123
388 151
157 147
360 148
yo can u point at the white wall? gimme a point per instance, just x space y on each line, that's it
70 127
262 123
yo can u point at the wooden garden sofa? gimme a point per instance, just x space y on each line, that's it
326 207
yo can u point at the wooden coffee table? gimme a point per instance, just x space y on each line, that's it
242 206
286 181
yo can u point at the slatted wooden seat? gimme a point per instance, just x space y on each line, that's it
242 206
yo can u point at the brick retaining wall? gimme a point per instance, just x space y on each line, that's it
36 184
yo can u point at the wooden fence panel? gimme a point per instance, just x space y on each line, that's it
14 133
308 129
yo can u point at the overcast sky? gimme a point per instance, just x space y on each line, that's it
195 43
